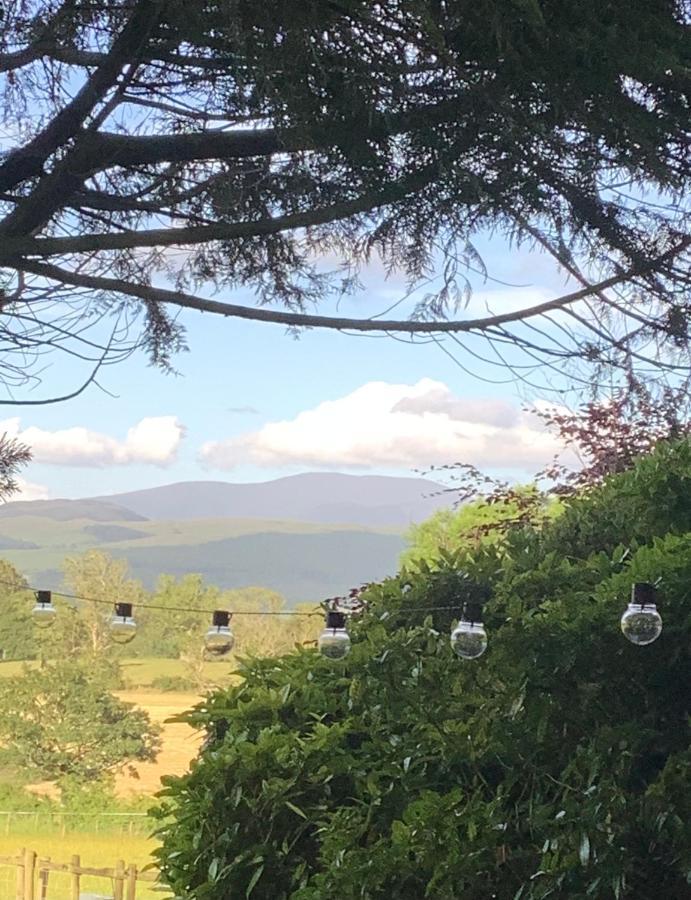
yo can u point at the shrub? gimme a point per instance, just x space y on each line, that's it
556 766
172 683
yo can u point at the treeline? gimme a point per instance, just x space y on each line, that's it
81 626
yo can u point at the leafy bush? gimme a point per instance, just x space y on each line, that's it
62 723
172 683
556 766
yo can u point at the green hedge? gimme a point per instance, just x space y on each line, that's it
555 766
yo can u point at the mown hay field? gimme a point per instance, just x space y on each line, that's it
180 743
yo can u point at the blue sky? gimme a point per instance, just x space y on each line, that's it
251 402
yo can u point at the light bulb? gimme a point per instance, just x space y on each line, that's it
122 626
219 639
43 612
641 623
334 641
469 638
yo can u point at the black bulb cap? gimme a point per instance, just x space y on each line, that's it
221 618
643 593
123 610
335 619
472 612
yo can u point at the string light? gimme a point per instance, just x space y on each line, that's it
181 609
641 623
122 626
469 638
219 639
334 641
43 612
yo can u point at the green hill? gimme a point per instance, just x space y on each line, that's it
307 536
303 561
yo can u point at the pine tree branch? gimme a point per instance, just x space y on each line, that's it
151 294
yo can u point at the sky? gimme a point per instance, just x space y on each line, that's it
251 402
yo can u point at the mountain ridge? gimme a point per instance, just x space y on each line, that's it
312 496
307 536
322 498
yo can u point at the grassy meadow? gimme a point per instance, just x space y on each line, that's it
97 850
139 673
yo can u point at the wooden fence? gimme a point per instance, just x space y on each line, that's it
33 876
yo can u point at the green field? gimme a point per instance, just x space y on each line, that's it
73 534
141 673
308 561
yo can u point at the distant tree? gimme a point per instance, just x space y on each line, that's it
61 723
181 618
175 625
17 637
476 522
266 138
177 629
103 581
270 634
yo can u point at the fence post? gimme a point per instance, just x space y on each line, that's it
131 883
29 872
119 880
43 875
76 877
20 875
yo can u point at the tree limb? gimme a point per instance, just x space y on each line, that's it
168 237
30 159
108 149
151 294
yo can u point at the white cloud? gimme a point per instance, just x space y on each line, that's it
152 441
29 490
394 425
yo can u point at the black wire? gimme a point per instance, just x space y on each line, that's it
187 609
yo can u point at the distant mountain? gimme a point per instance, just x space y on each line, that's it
96 510
10 543
370 500
307 536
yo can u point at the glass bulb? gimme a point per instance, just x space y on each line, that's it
641 623
334 643
122 626
43 614
219 640
469 639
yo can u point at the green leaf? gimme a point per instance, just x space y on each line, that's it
584 850
295 809
254 879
